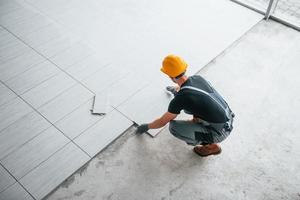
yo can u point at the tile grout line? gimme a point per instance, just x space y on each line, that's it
93 124
15 98
44 14
51 76
15 182
30 67
63 146
16 54
4 104
98 70
63 117
39 133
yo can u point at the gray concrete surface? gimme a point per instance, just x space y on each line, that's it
258 75
286 9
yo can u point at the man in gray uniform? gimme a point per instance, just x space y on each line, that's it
212 117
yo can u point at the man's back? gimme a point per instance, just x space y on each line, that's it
198 103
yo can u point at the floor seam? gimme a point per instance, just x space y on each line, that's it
43 117
15 182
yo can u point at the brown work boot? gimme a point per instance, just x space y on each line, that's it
207 150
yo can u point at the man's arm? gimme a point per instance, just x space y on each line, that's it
158 123
162 121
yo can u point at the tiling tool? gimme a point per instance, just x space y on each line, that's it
100 104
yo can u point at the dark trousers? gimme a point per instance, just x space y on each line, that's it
194 133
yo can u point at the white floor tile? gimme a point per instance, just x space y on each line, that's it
126 87
8 6
87 67
43 35
16 16
3 35
12 50
103 132
147 105
48 90
15 192
5 94
6 38
19 64
104 78
56 45
65 103
6 179
27 26
20 132
33 153
12 111
78 121
32 77
72 55
54 171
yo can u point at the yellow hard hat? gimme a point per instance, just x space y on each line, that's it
173 66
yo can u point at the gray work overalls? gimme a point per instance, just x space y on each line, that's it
203 132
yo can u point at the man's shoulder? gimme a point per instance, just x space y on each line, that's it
198 82
196 77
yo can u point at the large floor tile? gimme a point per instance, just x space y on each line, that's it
32 77
56 45
3 35
104 78
16 16
15 192
8 6
6 179
48 90
142 109
28 26
5 94
87 67
43 35
20 132
65 103
125 87
75 53
103 132
19 64
12 49
78 121
33 153
12 111
53 171
6 38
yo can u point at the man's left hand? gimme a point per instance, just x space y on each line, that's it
142 128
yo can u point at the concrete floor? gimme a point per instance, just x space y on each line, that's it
258 75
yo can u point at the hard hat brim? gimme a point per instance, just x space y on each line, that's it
163 70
